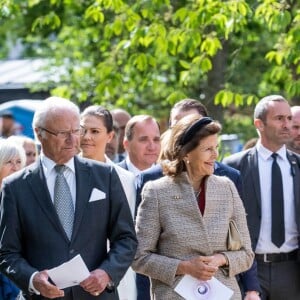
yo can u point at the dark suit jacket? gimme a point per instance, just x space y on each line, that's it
247 163
32 238
248 279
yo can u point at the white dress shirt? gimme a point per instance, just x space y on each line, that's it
50 175
265 161
134 170
128 182
127 287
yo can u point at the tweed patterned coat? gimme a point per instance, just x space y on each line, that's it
170 228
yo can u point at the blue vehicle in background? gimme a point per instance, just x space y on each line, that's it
22 112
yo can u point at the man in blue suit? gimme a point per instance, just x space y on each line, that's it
248 280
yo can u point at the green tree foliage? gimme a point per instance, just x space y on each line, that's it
145 55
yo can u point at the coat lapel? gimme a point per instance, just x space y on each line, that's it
37 181
83 191
252 165
296 176
185 190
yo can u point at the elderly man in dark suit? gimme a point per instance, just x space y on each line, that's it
272 209
36 236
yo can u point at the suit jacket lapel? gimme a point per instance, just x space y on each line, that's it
39 188
296 177
83 192
253 167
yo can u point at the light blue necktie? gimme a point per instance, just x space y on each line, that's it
63 200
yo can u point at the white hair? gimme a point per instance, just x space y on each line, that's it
10 149
50 106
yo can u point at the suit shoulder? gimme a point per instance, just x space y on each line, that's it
219 179
226 169
221 183
160 182
123 172
152 173
236 157
18 175
94 164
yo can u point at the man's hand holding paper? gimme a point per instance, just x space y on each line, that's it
43 286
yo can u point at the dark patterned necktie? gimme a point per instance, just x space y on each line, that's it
278 233
63 200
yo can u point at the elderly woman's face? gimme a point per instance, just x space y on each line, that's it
203 157
10 166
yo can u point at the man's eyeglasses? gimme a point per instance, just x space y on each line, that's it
64 134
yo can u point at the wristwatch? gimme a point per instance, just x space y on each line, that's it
110 287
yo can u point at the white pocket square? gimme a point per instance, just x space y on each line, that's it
97 195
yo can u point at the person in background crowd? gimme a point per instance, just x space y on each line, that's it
186 107
97 131
294 143
180 211
248 280
29 146
111 149
271 195
63 206
142 144
8 125
12 159
122 117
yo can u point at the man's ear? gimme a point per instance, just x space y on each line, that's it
38 133
259 124
125 144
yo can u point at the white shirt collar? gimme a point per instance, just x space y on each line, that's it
131 167
266 153
49 164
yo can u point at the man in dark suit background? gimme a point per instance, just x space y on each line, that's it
248 280
33 234
278 268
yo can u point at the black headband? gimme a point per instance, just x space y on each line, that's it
191 131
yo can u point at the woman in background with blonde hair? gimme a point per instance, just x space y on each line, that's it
12 159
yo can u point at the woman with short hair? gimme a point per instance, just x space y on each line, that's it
12 159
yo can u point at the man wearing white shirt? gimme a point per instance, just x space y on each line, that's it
142 144
278 268
35 236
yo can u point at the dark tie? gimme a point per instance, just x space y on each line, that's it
63 200
278 234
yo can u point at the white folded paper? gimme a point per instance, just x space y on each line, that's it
69 273
191 288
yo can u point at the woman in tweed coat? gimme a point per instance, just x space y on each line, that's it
180 235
